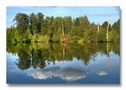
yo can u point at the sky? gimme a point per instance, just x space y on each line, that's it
95 14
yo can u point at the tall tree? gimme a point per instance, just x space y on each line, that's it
33 23
22 22
77 22
68 24
84 22
40 19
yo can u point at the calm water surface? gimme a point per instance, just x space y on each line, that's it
63 64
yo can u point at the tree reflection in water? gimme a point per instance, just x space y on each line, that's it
38 55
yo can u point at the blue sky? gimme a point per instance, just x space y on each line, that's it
95 14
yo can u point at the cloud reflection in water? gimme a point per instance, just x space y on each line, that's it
69 74
102 73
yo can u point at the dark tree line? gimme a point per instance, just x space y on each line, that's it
40 28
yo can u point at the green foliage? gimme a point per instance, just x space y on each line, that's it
22 22
114 34
38 28
36 22
77 22
102 34
33 22
104 25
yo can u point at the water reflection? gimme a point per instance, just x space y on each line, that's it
102 73
68 74
67 62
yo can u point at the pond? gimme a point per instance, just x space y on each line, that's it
40 63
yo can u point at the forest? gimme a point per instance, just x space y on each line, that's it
36 27
36 38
